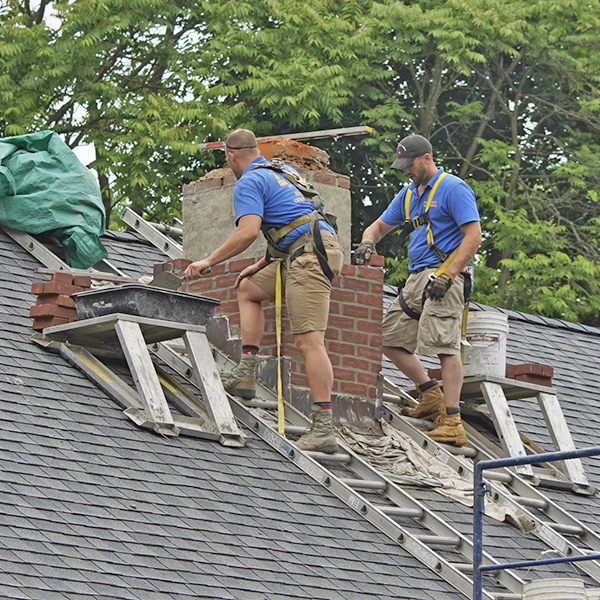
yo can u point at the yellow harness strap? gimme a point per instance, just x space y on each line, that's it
278 301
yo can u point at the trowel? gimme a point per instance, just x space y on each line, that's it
169 281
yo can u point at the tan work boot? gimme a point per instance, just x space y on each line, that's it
431 400
321 436
242 380
449 429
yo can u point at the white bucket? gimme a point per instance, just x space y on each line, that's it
485 353
554 589
592 593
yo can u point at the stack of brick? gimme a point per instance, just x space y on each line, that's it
353 338
526 372
54 306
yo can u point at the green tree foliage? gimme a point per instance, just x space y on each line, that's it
507 91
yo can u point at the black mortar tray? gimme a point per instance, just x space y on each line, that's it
145 301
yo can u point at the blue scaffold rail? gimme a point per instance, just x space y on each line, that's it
481 488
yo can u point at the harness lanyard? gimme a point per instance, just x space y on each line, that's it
280 412
427 206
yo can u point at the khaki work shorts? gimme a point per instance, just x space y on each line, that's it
438 331
305 287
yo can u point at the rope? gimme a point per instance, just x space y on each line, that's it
280 412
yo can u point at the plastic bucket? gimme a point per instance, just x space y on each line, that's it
485 353
592 593
554 589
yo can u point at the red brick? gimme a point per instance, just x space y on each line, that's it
373 393
37 288
355 337
217 295
63 277
52 310
354 310
203 185
268 339
376 341
369 273
372 326
357 284
375 260
225 281
218 270
434 374
301 380
180 264
349 270
354 389
325 178
342 295
529 369
377 314
369 352
335 359
368 378
199 285
377 288
234 319
341 322
345 374
84 281
40 323
356 363
370 299
57 287
235 266
343 182
335 308
228 307
332 333
340 348
534 379
58 299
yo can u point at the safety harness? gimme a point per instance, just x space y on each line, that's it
314 241
415 223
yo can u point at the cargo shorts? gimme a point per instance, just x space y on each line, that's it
438 331
305 287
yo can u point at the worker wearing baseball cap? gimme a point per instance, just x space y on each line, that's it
439 217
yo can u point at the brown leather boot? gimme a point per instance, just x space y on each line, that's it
449 429
431 400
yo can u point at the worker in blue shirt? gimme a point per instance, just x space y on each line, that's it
272 198
439 212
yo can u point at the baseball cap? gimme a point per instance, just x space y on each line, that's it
409 148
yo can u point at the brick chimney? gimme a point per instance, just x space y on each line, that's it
353 337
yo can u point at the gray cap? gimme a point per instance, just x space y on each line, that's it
409 148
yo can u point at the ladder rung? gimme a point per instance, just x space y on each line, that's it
397 511
507 596
266 404
568 529
439 540
338 457
463 451
365 484
295 429
532 502
463 567
495 476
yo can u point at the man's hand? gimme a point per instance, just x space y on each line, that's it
363 252
195 269
254 268
437 287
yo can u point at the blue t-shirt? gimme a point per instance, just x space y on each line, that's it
453 205
268 194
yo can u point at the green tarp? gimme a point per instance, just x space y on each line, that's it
45 188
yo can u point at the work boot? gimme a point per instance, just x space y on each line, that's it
449 429
242 380
431 400
321 436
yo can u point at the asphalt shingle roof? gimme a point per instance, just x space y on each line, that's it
93 507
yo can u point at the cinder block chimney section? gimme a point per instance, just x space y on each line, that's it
353 338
